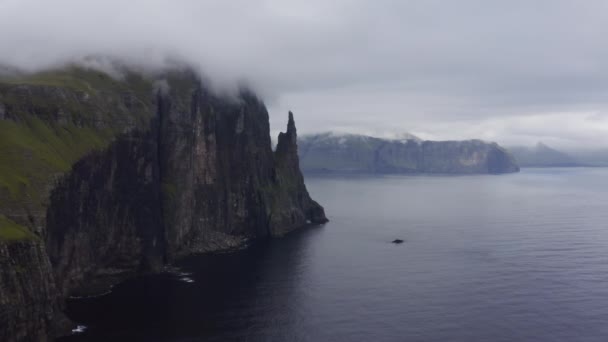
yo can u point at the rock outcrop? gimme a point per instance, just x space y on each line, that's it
292 206
101 179
363 154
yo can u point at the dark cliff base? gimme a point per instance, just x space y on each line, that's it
112 178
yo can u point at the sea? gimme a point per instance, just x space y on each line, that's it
515 257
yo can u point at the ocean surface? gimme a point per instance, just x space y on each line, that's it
518 257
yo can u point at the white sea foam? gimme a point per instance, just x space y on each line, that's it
186 279
79 329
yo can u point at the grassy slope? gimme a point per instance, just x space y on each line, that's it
35 149
11 231
32 151
86 80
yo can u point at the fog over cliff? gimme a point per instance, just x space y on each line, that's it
515 72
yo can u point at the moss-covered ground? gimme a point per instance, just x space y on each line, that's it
33 150
36 146
11 231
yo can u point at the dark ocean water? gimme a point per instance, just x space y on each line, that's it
520 257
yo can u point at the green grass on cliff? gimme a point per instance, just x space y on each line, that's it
86 80
56 118
80 94
36 148
32 152
11 231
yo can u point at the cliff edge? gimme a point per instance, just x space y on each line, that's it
102 177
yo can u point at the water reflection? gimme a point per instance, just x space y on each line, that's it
521 257
251 295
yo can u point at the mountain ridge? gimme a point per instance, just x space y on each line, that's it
354 153
542 155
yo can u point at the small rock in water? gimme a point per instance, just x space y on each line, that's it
397 241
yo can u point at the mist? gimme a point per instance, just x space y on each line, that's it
516 72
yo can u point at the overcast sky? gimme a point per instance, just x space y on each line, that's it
516 72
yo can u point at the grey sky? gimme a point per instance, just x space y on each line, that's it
511 71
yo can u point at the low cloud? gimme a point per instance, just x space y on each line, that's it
516 71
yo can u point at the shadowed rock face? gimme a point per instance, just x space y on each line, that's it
356 153
105 214
30 305
189 172
292 206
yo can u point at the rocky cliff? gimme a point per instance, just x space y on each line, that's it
101 178
30 305
291 204
364 154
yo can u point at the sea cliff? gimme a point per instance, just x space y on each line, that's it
350 153
112 176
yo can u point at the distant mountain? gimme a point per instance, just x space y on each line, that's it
591 157
542 155
331 152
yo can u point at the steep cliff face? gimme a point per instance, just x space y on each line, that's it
30 307
49 122
53 119
119 177
222 186
355 153
104 216
216 167
292 206
459 157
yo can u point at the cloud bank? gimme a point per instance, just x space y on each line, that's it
511 71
